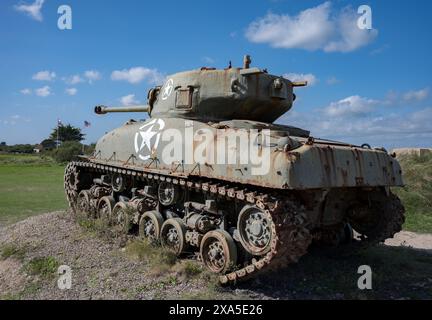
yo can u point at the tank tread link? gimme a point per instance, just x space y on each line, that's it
290 235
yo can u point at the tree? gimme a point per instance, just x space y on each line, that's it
67 151
67 133
48 144
21 148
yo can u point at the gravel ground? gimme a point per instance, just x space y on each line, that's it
101 269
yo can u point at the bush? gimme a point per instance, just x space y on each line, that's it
67 151
417 194
45 267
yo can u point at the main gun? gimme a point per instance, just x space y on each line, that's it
104 110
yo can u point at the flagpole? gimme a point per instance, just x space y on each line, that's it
57 134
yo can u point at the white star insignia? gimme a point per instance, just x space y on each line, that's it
146 137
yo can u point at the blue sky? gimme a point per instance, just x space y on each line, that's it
366 85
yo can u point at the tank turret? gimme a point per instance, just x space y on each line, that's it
210 94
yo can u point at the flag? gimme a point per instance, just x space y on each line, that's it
87 124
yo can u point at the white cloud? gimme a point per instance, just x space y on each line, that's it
317 28
71 91
418 95
351 106
43 92
75 79
44 76
377 128
16 117
128 100
137 74
26 91
33 10
92 75
309 77
349 37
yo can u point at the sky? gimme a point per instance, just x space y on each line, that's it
365 85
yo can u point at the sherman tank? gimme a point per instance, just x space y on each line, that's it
209 174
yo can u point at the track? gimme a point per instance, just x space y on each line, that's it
290 235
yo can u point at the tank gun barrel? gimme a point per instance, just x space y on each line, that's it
104 109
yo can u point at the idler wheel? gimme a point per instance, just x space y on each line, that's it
84 204
378 218
255 230
105 208
173 235
122 217
218 251
150 226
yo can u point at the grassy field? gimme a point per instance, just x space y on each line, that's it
32 184
29 185
417 194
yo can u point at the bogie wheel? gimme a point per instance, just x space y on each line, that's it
218 251
122 217
105 208
256 230
150 225
173 235
83 203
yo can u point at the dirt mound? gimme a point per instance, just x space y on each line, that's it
106 268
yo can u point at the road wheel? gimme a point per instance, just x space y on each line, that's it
173 235
150 226
255 227
83 203
218 251
122 217
105 208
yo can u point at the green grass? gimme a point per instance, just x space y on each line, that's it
160 259
12 251
45 267
29 185
417 194
25 159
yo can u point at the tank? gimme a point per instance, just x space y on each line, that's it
208 173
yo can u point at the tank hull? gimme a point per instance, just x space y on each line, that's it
186 148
